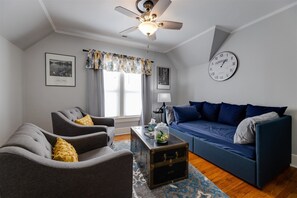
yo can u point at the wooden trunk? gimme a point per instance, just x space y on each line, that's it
160 164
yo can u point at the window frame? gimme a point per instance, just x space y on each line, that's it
122 98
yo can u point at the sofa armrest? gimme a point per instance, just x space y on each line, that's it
91 178
273 148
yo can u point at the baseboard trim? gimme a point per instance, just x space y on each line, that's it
122 131
294 161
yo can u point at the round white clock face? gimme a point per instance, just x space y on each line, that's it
222 66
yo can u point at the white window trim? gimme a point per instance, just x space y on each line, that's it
124 119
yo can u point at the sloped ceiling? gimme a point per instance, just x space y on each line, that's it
198 50
25 22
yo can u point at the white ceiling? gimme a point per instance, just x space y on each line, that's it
25 22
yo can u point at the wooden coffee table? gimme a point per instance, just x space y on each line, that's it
159 163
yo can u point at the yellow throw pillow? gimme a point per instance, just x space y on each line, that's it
63 151
87 121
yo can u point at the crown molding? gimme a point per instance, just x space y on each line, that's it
141 45
264 17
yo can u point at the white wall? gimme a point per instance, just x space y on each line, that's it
41 100
267 73
11 63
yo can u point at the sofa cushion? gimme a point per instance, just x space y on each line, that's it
30 137
72 114
210 111
245 132
253 110
63 151
95 153
87 121
169 114
198 105
231 114
185 113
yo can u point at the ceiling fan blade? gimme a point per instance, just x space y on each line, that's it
152 37
126 12
131 29
160 7
170 25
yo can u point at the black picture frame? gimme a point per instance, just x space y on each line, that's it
163 78
60 70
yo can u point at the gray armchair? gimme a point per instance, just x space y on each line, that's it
27 170
63 124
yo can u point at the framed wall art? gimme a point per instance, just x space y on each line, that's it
163 78
60 70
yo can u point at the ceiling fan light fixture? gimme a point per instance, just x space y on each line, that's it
148 28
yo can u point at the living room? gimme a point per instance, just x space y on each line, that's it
262 35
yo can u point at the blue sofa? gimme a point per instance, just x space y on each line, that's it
211 137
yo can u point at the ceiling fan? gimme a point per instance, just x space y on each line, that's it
149 10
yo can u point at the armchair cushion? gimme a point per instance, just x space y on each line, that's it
87 121
63 151
95 153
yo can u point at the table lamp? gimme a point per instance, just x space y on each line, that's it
163 97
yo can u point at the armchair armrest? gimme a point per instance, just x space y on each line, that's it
103 121
81 143
99 120
66 127
273 148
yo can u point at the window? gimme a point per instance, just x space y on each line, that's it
122 94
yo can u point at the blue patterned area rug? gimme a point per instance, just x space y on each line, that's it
196 186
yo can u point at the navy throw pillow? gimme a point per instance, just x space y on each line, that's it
252 110
231 114
210 111
185 113
198 105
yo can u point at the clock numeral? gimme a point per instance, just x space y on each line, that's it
233 63
210 69
232 57
227 54
212 63
221 55
212 74
216 58
227 75
221 77
231 70
216 77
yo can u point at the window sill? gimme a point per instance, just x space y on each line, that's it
127 119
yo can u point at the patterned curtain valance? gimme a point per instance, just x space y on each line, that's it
116 62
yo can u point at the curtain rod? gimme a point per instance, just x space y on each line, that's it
85 50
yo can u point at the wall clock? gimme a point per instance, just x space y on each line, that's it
223 66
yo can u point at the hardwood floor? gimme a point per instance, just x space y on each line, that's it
285 185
